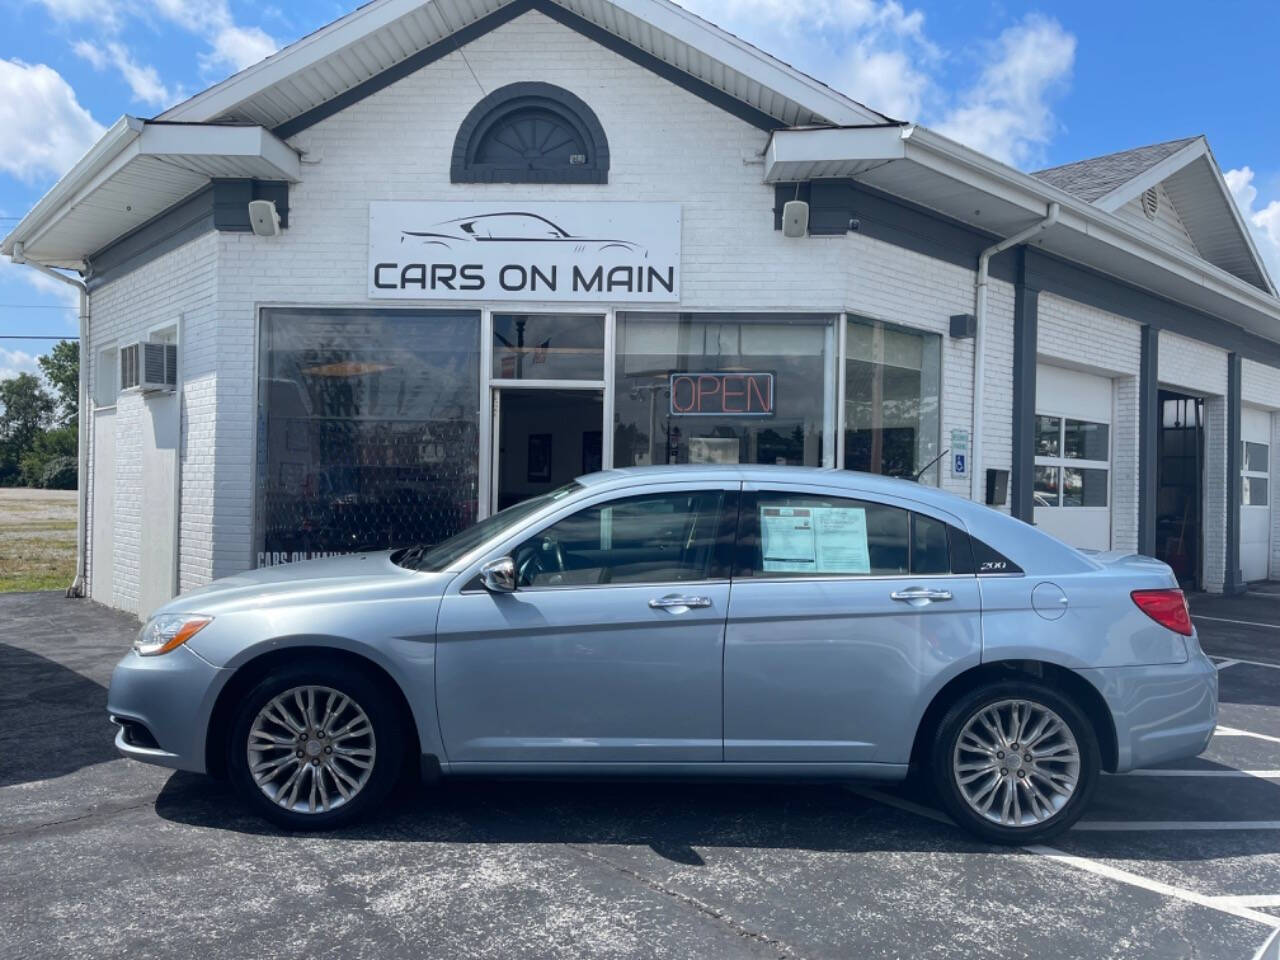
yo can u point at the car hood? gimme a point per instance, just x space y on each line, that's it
363 576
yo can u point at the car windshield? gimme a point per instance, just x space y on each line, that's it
433 558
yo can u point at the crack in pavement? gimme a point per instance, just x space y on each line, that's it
785 950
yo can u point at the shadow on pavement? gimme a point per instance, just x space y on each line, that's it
52 720
1245 684
671 819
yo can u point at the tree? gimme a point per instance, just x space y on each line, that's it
61 367
28 410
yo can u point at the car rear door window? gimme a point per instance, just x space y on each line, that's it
800 534
657 538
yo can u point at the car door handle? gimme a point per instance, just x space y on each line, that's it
668 603
920 595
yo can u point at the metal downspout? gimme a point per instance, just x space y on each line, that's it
77 588
977 481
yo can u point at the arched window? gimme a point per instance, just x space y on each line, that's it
530 133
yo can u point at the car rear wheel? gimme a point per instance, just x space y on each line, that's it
1015 762
315 747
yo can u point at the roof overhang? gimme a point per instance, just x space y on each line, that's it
379 35
925 168
137 170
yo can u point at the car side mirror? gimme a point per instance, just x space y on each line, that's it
499 575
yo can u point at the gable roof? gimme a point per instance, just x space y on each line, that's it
1097 176
332 66
1193 182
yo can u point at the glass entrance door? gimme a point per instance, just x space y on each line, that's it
1179 477
543 438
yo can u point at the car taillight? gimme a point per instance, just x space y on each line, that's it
1167 608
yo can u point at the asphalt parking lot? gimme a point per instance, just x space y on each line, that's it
102 857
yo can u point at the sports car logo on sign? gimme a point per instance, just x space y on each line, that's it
514 227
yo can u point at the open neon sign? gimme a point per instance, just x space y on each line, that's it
721 394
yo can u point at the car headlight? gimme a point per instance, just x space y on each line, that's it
168 631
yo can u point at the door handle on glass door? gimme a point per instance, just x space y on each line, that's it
670 603
920 595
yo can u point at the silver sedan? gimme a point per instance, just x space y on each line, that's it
685 621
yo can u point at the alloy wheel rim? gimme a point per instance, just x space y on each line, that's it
311 749
1016 763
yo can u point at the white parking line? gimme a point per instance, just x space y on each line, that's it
1252 663
1146 826
1242 623
1259 774
1262 901
1090 866
1271 949
1234 732
1223 664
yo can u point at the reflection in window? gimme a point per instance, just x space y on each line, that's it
662 538
361 417
1255 457
1253 492
542 346
1047 486
1084 487
891 399
1048 436
795 349
1085 441
1072 462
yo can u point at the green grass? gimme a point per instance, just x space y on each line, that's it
37 540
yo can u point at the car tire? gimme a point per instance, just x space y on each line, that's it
1025 801
307 722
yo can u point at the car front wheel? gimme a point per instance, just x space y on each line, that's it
1015 762
315 747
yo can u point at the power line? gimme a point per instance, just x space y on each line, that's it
33 306
17 336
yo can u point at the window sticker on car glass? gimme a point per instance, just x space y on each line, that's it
814 540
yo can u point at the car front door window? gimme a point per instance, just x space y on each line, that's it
666 537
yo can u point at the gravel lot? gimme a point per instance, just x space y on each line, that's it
103 857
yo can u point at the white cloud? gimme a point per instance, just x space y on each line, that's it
873 50
1008 113
14 362
232 45
143 80
1263 223
238 47
45 128
879 53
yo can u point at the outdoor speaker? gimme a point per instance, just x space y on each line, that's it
264 218
795 218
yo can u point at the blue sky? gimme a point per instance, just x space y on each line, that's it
1034 84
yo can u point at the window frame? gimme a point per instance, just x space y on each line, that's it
1061 463
1246 474
744 566
535 95
723 553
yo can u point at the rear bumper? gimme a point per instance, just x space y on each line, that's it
170 697
1162 712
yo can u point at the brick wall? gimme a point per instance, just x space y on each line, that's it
177 287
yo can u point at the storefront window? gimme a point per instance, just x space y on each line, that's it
367 430
723 388
891 400
548 346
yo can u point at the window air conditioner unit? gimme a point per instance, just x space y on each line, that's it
149 367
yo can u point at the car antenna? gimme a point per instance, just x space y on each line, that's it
917 477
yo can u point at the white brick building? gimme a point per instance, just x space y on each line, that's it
338 387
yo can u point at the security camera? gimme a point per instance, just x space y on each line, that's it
264 218
795 218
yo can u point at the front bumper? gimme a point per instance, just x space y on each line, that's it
171 696
1162 711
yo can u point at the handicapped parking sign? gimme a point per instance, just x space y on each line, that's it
959 464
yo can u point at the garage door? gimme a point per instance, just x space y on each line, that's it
1073 456
1255 493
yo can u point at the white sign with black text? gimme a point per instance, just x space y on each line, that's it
452 250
